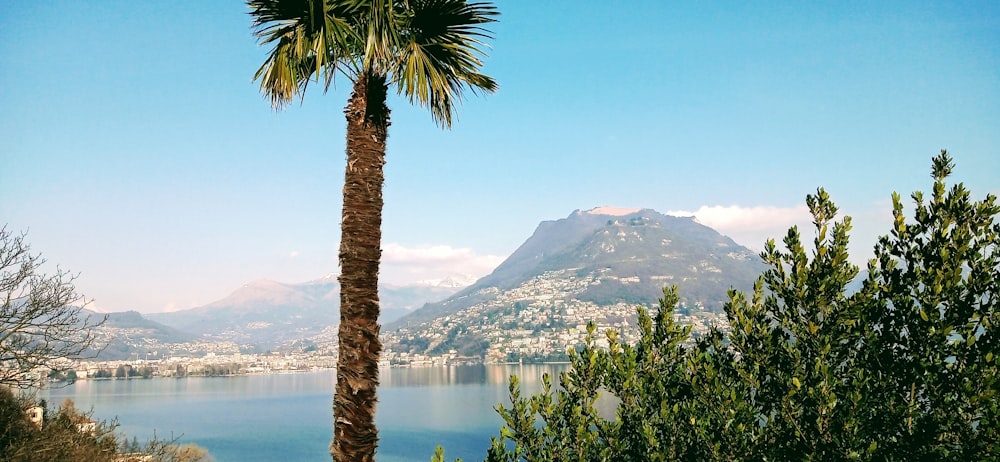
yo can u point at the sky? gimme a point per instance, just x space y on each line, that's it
137 151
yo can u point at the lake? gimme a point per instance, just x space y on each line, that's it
288 416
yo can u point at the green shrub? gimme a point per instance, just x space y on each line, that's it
903 369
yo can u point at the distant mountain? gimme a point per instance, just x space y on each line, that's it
135 320
128 333
398 300
269 313
630 254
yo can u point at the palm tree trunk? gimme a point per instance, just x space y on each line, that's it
354 434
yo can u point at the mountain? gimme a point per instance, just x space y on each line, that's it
128 333
629 254
398 300
268 313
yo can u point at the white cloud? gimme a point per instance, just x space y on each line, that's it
752 226
401 265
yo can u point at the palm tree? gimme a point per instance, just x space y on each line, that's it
428 50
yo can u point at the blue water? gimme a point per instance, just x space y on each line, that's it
288 416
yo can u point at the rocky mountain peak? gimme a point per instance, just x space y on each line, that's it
612 211
628 254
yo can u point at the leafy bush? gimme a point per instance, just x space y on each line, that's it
903 369
71 435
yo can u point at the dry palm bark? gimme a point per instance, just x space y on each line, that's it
355 434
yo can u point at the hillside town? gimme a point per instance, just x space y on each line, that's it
538 321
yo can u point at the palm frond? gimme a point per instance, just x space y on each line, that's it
430 48
381 24
311 40
441 42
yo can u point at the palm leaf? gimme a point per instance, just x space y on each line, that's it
440 44
381 26
311 39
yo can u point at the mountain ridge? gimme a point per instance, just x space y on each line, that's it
645 247
603 257
269 313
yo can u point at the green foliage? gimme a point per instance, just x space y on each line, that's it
439 455
797 346
904 369
71 435
570 420
429 50
658 386
933 312
14 424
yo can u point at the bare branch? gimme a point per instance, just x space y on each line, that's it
42 320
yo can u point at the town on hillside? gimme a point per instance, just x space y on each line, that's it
539 321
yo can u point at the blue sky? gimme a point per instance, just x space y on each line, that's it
136 150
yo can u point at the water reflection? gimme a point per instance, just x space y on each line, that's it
287 416
492 374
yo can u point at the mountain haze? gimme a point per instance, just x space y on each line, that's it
268 313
